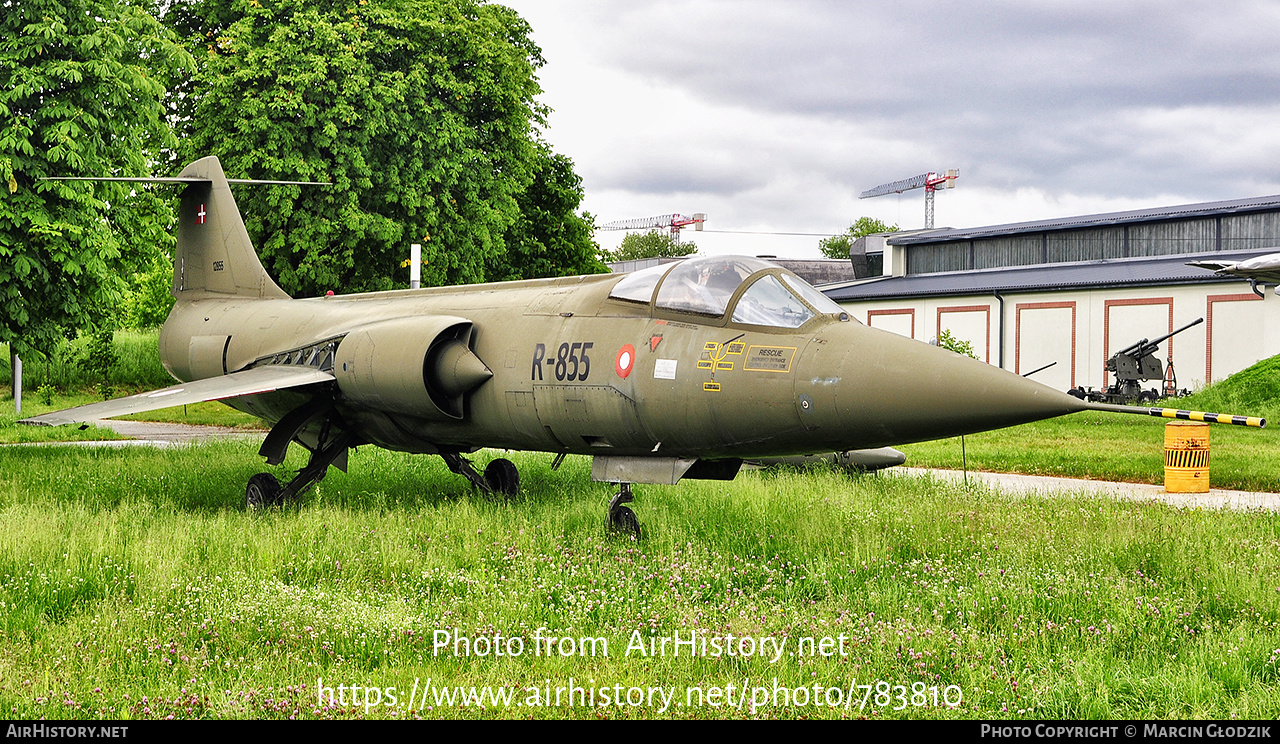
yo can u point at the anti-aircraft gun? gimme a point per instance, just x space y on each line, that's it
1134 364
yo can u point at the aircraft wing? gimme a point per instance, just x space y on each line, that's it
249 382
1263 268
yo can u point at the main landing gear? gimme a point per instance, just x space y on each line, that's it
332 445
264 490
500 476
622 518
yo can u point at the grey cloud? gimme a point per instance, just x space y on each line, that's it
658 177
1120 100
906 59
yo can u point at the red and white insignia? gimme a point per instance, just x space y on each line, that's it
200 215
625 361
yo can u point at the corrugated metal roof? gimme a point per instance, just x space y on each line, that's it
1205 209
1154 270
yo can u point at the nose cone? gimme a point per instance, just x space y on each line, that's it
893 390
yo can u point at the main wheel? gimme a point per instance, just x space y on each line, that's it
625 520
502 477
263 490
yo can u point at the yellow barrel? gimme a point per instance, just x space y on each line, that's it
1186 458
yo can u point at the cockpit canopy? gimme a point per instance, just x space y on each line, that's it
705 286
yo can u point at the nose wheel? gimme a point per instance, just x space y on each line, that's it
622 518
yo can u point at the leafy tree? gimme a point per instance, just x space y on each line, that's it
421 113
147 226
949 342
549 238
81 83
149 299
837 246
652 244
99 357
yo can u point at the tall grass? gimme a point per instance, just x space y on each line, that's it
138 368
134 584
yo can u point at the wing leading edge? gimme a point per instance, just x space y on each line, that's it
248 382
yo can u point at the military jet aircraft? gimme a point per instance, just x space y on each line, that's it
683 370
1258 269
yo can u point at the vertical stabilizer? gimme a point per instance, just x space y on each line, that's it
214 257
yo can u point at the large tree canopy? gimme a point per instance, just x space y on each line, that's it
81 87
549 238
838 246
421 112
650 244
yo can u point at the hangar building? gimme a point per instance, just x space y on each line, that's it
1076 290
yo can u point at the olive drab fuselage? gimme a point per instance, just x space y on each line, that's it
576 371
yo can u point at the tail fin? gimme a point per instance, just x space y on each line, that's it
215 257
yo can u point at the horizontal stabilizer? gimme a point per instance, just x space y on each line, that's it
249 382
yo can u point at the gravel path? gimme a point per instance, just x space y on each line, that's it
153 434
1216 498
151 431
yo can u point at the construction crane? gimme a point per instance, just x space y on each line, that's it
929 181
673 222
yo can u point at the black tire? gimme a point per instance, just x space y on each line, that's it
263 491
623 519
502 477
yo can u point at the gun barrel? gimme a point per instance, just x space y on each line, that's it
1146 347
1174 413
1195 322
1038 369
1132 348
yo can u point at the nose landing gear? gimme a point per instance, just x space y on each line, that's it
622 518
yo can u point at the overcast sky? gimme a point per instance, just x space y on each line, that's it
773 116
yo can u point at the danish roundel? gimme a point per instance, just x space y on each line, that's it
625 361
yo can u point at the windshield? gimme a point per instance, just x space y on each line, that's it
768 303
818 300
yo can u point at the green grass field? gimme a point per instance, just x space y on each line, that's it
138 366
134 584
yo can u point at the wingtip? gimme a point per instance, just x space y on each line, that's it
41 421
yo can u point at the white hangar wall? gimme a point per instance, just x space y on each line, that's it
1081 329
